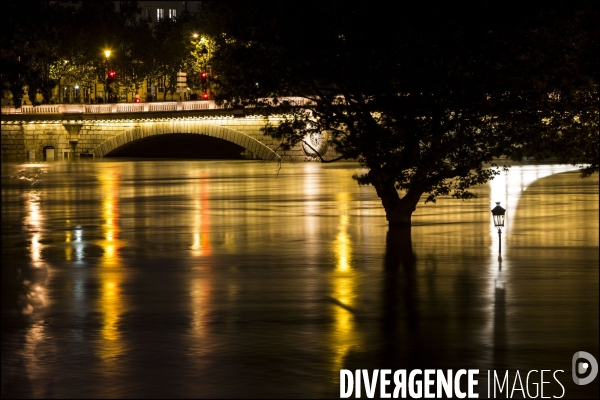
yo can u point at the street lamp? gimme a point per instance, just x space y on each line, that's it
498 214
204 74
107 54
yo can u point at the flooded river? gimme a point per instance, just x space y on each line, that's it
222 279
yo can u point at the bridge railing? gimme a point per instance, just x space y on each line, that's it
141 107
112 108
44 109
98 108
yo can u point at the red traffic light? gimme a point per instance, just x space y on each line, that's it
205 96
112 74
203 74
137 99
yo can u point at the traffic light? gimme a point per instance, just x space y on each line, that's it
111 76
204 95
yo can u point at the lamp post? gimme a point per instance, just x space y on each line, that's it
107 54
498 214
198 40
205 73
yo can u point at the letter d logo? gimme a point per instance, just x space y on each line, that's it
583 367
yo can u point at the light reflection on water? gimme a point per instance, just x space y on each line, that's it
219 279
344 286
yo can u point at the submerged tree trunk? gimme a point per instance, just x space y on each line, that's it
398 211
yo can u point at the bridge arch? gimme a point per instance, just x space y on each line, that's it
142 131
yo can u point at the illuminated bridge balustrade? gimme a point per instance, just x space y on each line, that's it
98 129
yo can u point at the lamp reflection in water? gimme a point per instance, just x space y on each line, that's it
200 240
34 221
33 293
344 281
111 301
200 285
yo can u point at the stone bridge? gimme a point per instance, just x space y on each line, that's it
96 130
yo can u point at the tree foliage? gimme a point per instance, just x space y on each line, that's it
44 44
425 95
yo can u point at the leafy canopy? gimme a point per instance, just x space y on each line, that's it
423 94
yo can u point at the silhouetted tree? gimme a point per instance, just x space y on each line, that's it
425 95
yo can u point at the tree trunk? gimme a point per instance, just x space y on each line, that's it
16 88
398 211
32 90
46 94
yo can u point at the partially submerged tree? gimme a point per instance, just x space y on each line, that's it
426 96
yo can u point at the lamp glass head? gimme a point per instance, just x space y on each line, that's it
498 213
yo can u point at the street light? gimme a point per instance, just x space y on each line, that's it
498 214
204 75
107 54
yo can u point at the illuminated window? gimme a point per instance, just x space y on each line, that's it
160 14
172 13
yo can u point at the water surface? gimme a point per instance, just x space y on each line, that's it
155 279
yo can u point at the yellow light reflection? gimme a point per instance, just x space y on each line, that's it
201 227
35 293
36 249
342 245
110 213
36 347
111 302
68 253
345 336
34 222
110 308
201 297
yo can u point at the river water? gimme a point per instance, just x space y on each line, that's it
215 279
